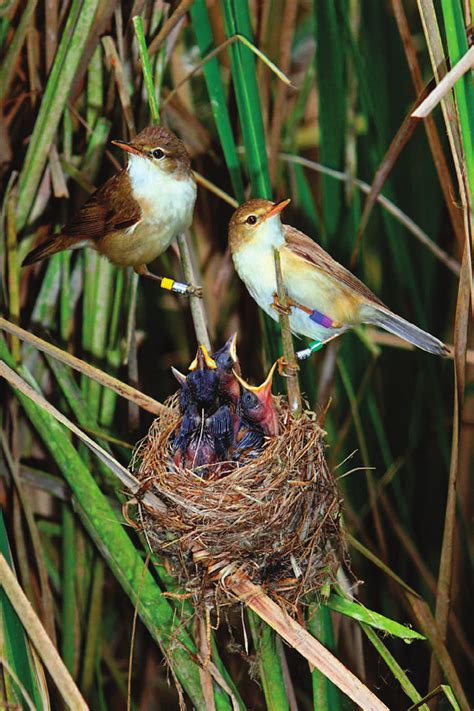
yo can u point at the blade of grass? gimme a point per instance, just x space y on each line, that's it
269 665
39 638
326 696
13 641
68 56
373 619
394 667
237 21
215 89
69 649
331 104
9 62
107 532
146 69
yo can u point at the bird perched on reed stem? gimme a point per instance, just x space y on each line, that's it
133 217
324 299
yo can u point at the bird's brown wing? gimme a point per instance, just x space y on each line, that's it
109 208
307 249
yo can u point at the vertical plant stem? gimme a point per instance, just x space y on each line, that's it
198 310
13 273
292 368
93 626
269 664
326 695
69 603
66 62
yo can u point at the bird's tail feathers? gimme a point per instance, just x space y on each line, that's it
384 318
52 245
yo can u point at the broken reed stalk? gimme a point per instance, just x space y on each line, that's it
293 387
253 597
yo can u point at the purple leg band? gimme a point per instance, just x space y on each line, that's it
321 319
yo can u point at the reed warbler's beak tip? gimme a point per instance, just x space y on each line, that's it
276 208
127 147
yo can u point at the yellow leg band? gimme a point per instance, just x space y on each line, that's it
167 283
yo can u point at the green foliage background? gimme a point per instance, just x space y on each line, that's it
71 80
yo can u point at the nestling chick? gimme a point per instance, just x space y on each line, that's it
206 430
227 362
258 416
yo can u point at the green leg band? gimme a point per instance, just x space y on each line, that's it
312 348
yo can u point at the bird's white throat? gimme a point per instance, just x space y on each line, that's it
162 195
269 233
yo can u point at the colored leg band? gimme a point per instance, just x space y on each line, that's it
167 283
321 319
312 348
175 286
180 288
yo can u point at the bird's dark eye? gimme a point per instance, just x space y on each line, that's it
251 220
158 153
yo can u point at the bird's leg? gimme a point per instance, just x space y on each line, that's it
176 287
278 306
286 369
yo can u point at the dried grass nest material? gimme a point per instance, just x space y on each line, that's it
276 518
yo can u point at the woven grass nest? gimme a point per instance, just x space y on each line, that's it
275 518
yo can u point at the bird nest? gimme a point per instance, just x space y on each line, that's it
275 518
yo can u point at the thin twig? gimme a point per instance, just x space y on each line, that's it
445 85
169 25
144 401
229 41
451 263
201 180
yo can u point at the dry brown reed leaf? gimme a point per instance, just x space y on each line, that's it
275 518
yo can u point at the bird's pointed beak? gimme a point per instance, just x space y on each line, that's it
231 345
203 360
179 376
128 147
262 391
276 208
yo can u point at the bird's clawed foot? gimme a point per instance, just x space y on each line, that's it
193 290
280 308
286 369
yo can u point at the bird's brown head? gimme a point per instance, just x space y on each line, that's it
248 220
160 146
